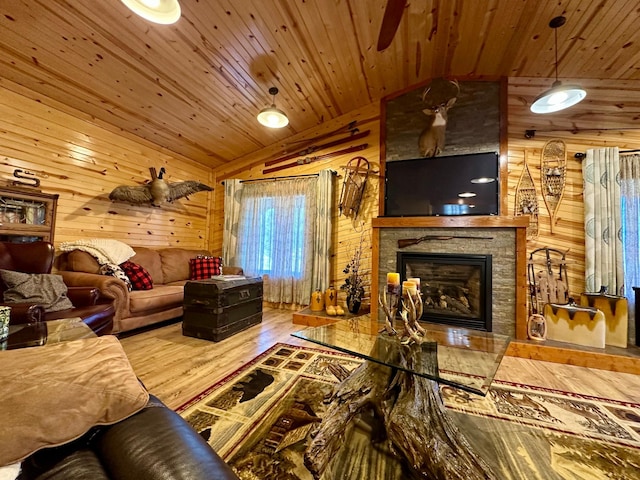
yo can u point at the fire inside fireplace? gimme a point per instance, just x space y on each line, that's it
455 288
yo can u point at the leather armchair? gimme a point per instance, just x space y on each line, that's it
153 444
38 257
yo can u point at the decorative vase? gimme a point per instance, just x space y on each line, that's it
353 304
331 297
317 301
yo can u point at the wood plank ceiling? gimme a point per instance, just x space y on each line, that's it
195 87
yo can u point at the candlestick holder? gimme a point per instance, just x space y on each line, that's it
389 300
411 312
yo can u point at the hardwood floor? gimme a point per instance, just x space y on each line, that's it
175 368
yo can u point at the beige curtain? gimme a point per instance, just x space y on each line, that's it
602 220
321 252
272 252
232 201
281 230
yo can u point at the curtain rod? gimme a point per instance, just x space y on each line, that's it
530 133
581 155
333 172
278 178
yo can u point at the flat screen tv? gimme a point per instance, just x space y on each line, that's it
452 185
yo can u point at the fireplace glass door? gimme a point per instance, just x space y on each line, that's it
455 288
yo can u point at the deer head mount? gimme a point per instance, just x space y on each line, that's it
438 98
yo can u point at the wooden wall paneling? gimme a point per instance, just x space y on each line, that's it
83 162
590 124
65 138
568 235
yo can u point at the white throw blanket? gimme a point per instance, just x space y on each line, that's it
105 250
10 472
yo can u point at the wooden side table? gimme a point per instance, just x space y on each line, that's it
46 333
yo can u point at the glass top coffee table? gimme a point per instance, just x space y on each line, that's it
459 357
399 384
46 333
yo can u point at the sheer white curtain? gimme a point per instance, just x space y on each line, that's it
603 220
630 190
275 236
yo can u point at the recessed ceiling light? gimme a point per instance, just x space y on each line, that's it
483 180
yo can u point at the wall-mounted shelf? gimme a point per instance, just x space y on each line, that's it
27 215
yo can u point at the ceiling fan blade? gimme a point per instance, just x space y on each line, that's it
390 22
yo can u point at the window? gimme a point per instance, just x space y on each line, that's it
276 230
280 229
265 223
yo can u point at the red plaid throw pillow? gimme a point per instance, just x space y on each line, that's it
205 267
140 278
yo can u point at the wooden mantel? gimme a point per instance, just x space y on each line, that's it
519 223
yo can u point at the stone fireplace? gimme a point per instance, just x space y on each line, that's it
502 239
456 288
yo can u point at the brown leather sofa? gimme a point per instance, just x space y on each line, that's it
169 269
153 444
38 257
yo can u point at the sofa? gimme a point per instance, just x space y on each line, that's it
37 258
154 444
169 269
77 410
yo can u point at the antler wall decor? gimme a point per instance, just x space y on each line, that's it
157 191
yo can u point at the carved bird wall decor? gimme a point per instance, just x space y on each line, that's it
157 191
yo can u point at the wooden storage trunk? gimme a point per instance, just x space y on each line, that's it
215 309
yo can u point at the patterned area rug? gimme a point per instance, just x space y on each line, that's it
260 418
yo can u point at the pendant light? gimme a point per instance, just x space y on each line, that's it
559 96
164 12
271 116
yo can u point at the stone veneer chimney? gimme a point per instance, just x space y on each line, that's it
507 247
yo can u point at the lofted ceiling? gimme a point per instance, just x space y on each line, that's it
195 87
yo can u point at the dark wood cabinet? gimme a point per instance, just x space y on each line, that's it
27 215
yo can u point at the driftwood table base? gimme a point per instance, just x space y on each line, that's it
412 412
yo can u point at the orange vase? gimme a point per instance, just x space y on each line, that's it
331 297
317 301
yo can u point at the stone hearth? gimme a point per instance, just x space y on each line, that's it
504 238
